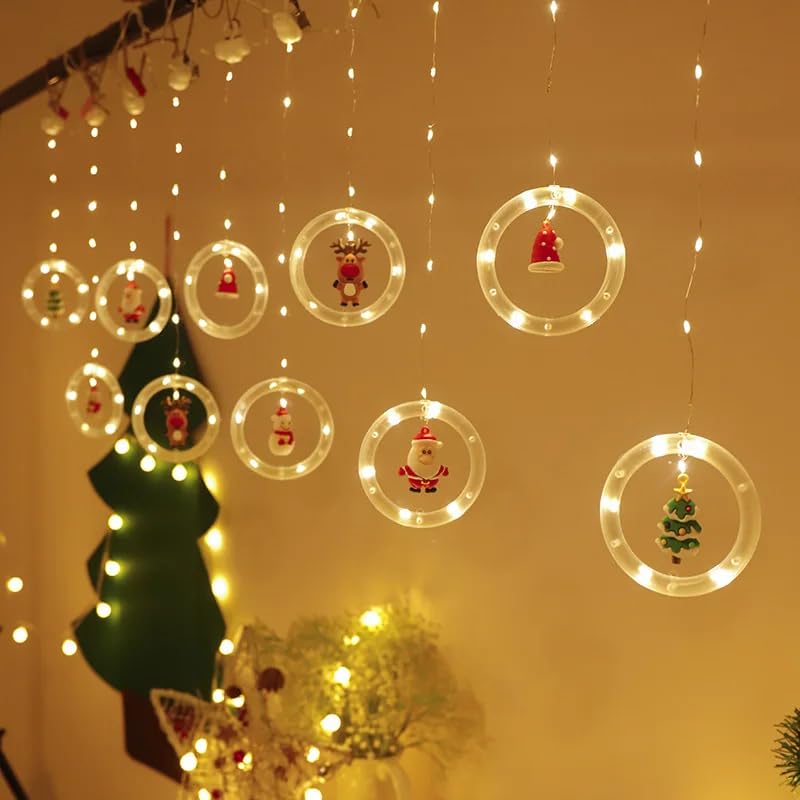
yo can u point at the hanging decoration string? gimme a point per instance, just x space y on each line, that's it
431 199
355 6
286 104
698 243
548 89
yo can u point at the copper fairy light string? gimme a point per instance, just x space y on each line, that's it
286 104
355 6
431 199
548 90
698 243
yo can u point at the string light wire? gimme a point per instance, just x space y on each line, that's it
548 91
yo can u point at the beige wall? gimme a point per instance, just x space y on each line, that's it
593 687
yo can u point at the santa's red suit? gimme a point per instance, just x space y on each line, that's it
418 482
285 438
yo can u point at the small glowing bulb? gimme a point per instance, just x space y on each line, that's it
423 393
218 695
51 143
94 352
238 702
201 745
229 76
220 587
698 158
351 190
682 465
429 265
53 248
281 207
134 124
103 610
112 568
281 258
227 224
436 7
284 363
687 327
175 190
214 539
179 473
223 174
226 647
313 754
92 242
175 319
115 522
342 676
350 133
431 199
372 619
698 244
423 328
188 762
330 723
430 133
698 71
53 178
69 647
93 170
148 463
95 132
289 48
351 73
176 362
14 584
283 402
553 8
132 246
553 160
354 12
176 101
20 634
284 311
122 446
176 236
178 148
55 213
433 72
312 793
287 101
134 205
92 205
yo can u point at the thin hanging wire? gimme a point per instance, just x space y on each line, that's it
548 90
431 199
355 7
698 244
286 104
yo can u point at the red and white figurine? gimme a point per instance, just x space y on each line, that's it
93 404
227 282
423 469
281 442
176 411
350 256
544 253
130 305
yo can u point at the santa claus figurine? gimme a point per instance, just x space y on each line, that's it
423 468
227 283
544 253
131 306
281 442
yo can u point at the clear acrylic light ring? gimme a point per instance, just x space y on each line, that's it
544 197
132 267
397 267
422 410
90 370
56 268
282 386
226 249
687 447
175 382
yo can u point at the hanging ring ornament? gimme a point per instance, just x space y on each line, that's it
131 309
549 197
336 316
227 249
282 385
79 413
55 316
424 410
684 446
175 382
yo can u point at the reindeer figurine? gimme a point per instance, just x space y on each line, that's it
350 276
176 411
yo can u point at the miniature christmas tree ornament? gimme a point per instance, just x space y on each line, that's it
55 314
545 251
679 526
55 304
422 469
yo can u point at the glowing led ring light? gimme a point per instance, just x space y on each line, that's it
397 269
55 268
132 267
282 385
431 410
543 198
684 446
77 410
175 382
228 249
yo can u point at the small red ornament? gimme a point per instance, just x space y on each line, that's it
544 253
216 793
233 692
93 404
238 756
227 284
271 680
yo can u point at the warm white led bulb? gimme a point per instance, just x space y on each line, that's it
188 761
372 618
115 522
220 587
330 723
553 8
103 610
14 584
148 463
698 71
69 647
20 634
179 473
214 539
313 754
287 101
226 647
423 328
112 568
687 327
698 158
342 676
698 244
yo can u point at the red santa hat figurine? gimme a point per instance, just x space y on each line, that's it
544 253
227 283
423 468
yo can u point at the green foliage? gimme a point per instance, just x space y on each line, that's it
787 749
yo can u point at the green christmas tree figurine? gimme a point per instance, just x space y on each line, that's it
679 523
55 304
161 626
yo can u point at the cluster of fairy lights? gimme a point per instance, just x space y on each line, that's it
286 104
373 619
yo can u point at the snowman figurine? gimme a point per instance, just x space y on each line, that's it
281 442
130 306
423 469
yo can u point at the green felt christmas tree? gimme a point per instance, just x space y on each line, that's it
55 304
679 526
165 625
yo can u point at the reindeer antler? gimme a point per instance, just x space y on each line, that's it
344 247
